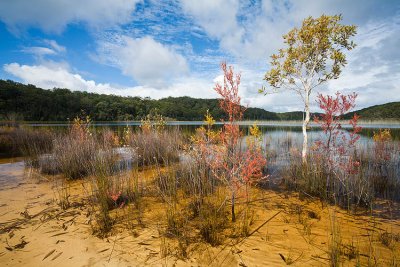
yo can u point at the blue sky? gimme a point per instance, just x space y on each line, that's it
174 48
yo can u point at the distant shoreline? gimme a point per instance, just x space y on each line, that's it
288 123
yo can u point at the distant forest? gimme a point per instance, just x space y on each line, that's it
30 103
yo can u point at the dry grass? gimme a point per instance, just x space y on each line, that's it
25 142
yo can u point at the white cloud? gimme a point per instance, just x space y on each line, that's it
217 17
40 52
55 46
54 15
145 60
54 75
253 32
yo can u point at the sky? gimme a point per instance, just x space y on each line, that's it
174 48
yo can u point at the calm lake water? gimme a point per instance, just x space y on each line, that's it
271 130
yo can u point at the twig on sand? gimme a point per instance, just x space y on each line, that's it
115 240
258 228
56 256
48 254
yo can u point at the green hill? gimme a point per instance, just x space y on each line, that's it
30 103
379 112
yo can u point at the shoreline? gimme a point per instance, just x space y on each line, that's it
394 124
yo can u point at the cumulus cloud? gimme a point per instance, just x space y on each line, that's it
144 59
53 75
53 16
217 17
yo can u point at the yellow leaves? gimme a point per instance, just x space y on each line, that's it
153 121
202 136
205 135
81 126
255 138
382 136
255 131
311 49
208 119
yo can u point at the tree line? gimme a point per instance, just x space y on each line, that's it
30 103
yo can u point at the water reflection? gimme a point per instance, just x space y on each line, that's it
271 129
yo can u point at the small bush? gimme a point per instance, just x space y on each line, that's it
156 147
74 155
25 142
76 151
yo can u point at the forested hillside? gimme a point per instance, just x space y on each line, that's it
30 103
27 102
384 111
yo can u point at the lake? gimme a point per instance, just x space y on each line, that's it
270 129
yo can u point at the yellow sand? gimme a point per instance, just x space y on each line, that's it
30 215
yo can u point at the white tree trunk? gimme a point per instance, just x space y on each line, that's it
305 125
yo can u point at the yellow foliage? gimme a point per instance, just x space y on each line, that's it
153 121
126 136
255 137
81 126
206 135
208 119
255 131
382 136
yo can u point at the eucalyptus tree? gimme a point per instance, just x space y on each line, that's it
313 55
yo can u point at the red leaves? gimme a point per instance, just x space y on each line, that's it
254 162
334 108
238 167
230 101
337 141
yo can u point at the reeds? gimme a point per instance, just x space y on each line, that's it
25 142
155 147
356 182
